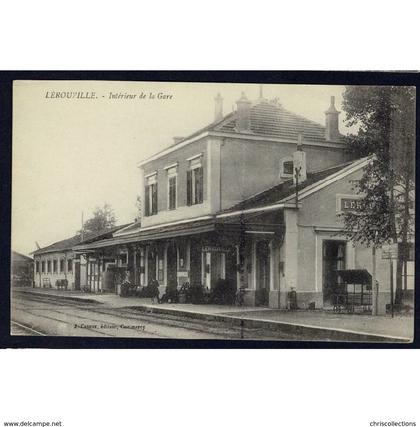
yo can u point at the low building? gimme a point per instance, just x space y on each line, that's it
58 262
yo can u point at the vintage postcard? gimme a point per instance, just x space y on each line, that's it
216 211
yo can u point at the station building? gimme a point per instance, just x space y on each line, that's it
225 203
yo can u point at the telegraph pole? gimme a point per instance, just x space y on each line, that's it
297 173
375 289
391 274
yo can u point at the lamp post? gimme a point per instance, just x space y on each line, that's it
391 276
374 286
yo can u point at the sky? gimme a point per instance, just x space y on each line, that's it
71 155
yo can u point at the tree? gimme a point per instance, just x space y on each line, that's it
102 219
385 118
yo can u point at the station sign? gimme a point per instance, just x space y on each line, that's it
348 203
219 249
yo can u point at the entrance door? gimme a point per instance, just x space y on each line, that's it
216 267
231 268
263 272
171 260
151 265
195 263
333 259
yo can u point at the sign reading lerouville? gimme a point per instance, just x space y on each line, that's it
215 249
350 204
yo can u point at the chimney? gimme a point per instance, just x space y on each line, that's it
261 97
299 161
331 122
243 114
218 108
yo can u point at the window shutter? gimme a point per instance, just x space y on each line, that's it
199 185
189 187
146 204
154 199
172 193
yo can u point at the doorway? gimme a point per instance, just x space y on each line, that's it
214 263
151 265
171 264
263 272
333 259
217 265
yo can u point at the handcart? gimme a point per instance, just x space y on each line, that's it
353 292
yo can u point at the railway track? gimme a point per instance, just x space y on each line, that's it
30 331
65 313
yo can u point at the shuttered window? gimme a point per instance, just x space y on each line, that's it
147 201
151 196
189 188
154 199
198 185
172 193
195 185
172 172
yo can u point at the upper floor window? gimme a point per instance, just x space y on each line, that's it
55 266
172 178
286 168
37 267
69 265
61 265
195 182
43 267
150 197
48 266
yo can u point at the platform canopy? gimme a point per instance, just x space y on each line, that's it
269 224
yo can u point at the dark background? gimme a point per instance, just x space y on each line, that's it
285 77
